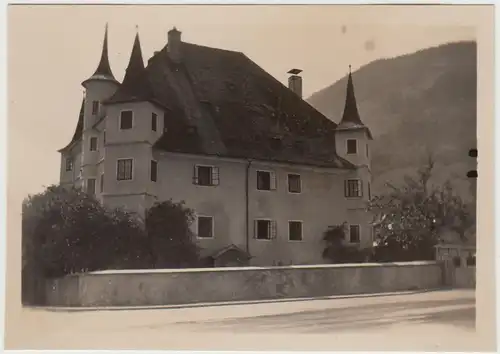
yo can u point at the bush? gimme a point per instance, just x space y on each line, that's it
170 236
337 251
67 231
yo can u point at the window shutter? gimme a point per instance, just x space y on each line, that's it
255 228
273 181
360 188
215 176
346 189
195 175
273 230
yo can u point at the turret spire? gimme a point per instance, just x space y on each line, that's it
103 71
351 114
135 85
135 66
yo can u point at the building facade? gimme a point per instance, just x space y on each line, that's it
265 173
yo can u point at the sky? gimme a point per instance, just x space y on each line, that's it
52 49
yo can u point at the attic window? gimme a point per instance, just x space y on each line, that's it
276 142
299 145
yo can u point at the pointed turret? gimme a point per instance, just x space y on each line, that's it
135 66
135 85
103 71
351 113
351 118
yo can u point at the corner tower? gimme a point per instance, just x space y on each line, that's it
100 86
352 138
133 125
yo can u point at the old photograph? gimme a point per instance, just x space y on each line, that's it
258 177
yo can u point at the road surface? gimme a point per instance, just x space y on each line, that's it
431 321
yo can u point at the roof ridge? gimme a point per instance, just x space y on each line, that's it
213 48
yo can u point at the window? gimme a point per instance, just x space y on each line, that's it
93 144
354 234
154 120
266 180
205 227
126 118
471 261
206 175
457 261
95 107
154 171
265 229
69 164
295 230
353 188
352 146
101 184
124 169
294 183
91 186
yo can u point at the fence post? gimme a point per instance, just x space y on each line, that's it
448 272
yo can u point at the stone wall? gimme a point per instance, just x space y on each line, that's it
165 287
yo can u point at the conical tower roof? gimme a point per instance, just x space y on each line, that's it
351 113
135 85
103 71
351 118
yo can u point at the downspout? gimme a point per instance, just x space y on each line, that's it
247 206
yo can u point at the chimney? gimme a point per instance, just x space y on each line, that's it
174 45
295 81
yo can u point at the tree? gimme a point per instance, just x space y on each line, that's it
168 227
66 230
411 217
336 250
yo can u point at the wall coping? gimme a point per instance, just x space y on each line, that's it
240 269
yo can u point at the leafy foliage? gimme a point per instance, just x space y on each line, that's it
337 251
413 215
170 236
67 231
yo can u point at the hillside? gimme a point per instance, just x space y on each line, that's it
415 103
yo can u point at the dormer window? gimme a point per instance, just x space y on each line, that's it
352 146
95 107
126 119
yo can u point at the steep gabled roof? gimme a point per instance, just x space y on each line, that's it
221 103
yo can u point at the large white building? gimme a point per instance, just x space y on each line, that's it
265 173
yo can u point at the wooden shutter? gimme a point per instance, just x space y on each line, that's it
195 175
273 181
215 176
274 231
255 228
360 188
346 189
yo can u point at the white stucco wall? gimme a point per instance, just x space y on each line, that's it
321 204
